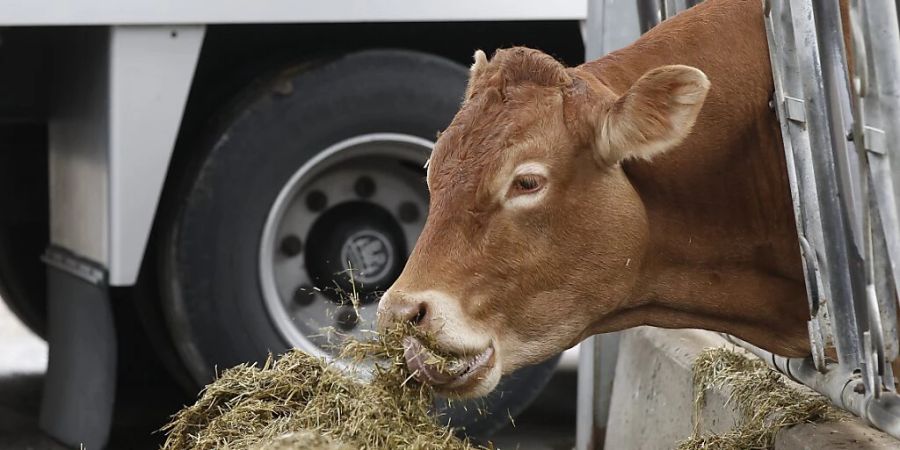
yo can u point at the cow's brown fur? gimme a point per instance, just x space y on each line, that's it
701 235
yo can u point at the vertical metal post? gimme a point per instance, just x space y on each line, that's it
878 79
823 118
650 13
597 359
587 433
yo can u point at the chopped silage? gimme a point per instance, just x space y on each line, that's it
765 401
301 439
299 401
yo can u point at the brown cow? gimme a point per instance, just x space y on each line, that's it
570 202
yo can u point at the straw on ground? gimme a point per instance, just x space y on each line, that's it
300 401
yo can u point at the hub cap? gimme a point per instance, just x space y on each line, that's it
344 223
368 254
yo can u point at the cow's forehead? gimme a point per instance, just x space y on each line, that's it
481 133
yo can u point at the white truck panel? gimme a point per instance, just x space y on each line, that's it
112 130
133 12
150 76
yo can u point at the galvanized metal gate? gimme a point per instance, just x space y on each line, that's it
841 129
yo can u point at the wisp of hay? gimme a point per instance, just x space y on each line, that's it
299 401
766 403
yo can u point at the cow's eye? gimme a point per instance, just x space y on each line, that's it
525 184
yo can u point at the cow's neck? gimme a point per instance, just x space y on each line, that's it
723 253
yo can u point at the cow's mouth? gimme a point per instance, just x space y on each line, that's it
451 374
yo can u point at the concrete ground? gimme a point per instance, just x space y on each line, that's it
548 425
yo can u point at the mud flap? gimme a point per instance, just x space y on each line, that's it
80 386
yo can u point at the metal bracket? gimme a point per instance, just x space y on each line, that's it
75 265
795 109
875 139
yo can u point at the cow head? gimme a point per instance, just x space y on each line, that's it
535 236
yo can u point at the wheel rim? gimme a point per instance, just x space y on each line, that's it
358 206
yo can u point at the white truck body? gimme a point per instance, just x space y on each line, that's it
175 12
113 128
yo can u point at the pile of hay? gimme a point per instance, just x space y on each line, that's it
766 402
301 402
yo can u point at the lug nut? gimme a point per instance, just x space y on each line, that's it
316 201
408 212
291 246
304 295
346 318
364 187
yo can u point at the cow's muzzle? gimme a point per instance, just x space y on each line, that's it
446 373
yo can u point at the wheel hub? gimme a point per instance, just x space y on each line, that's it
368 255
343 224
355 247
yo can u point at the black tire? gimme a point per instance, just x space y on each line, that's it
24 223
22 275
209 251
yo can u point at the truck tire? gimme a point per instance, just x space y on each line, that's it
22 275
24 229
306 169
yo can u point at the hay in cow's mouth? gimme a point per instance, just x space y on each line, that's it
300 401
442 370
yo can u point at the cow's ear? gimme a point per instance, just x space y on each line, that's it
477 69
654 115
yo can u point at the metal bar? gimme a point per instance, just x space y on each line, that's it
596 372
823 115
882 115
843 387
650 14
876 45
845 237
788 80
587 435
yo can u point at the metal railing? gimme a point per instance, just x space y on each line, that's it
840 129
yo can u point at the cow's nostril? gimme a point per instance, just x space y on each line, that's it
408 312
420 315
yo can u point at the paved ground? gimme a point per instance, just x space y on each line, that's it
547 425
